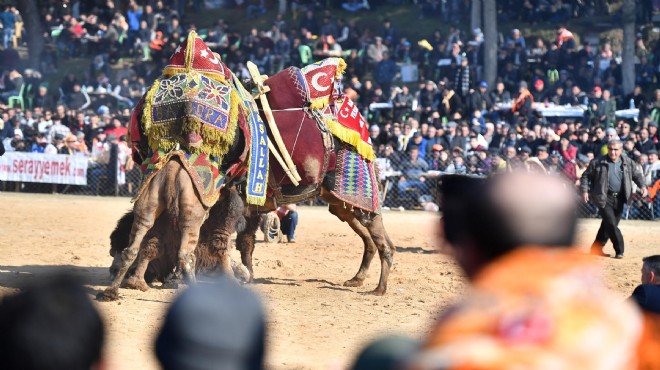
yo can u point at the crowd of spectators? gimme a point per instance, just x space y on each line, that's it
446 120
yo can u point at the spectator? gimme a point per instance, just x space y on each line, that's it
412 179
376 51
385 72
499 229
647 295
224 320
78 99
8 20
51 324
288 215
522 105
16 82
610 187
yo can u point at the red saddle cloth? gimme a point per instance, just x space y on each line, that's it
300 132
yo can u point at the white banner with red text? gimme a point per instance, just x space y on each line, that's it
45 168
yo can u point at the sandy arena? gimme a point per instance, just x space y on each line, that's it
314 322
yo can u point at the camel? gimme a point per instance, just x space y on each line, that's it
172 192
158 255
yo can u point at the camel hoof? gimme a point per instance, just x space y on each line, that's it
377 292
137 284
108 295
172 284
354 282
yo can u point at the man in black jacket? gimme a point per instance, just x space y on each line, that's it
609 181
647 295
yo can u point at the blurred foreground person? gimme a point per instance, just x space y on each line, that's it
536 302
647 295
50 325
217 325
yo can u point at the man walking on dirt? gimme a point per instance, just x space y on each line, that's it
608 183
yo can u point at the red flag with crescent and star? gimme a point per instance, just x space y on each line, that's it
349 116
320 79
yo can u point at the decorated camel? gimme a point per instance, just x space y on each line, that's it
198 130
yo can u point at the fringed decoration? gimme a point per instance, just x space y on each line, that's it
350 137
170 71
341 68
319 103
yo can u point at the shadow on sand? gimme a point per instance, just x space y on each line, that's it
418 250
16 277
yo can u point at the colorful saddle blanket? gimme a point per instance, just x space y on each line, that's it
308 109
355 182
192 112
202 168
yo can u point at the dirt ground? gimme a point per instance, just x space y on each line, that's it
313 321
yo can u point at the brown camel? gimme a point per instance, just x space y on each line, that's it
158 254
171 190
370 230
313 155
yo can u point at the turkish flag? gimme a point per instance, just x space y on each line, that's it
320 80
349 116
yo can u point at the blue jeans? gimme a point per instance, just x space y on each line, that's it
411 198
289 224
7 37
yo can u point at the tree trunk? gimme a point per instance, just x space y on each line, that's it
282 7
628 64
29 10
475 18
490 41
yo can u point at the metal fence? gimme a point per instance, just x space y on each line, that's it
404 189
401 188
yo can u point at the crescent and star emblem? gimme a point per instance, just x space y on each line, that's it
315 82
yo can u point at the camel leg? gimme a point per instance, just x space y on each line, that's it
146 210
191 217
345 215
245 241
147 253
386 251
223 217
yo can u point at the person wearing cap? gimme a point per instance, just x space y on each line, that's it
542 154
652 169
218 325
539 92
608 183
419 141
500 230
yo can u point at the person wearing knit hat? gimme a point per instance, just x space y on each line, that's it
216 325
